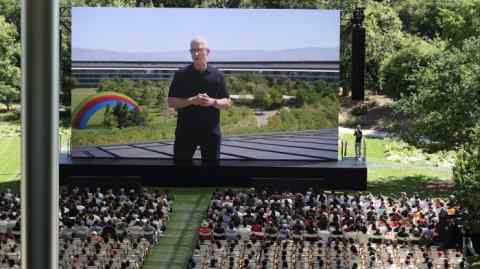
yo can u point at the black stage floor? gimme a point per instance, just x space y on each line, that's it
320 145
287 160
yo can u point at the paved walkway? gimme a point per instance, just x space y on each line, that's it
263 116
373 164
176 246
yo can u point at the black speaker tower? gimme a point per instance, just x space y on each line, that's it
358 55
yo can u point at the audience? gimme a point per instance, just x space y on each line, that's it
98 229
249 229
107 229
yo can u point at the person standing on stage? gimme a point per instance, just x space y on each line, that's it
198 93
358 142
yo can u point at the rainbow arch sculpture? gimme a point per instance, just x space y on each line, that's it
88 107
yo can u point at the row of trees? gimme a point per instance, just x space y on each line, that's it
268 92
144 92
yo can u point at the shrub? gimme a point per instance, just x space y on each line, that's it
466 174
13 115
398 67
359 110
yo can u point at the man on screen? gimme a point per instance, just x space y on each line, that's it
198 93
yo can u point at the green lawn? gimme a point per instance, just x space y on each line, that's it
9 158
392 175
176 246
78 96
10 150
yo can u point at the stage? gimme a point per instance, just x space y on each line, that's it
318 145
285 160
347 174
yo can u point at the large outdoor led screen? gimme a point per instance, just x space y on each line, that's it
278 68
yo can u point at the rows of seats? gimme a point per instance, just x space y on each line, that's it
334 253
114 253
260 229
99 229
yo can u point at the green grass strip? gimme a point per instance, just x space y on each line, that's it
176 246
9 158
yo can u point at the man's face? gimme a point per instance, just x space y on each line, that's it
199 52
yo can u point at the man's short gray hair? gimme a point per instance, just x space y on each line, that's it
199 40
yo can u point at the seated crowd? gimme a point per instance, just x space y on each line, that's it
9 230
249 229
98 229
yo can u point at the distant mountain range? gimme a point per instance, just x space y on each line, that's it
300 54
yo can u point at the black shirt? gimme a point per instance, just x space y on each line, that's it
358 136
188 82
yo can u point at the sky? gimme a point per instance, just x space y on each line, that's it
171 29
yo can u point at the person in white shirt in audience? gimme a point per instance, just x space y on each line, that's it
244 231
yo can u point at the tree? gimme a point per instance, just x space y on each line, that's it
176 3
453 21
287 3
149 95
420 16
121 113
234 84
383 35
69 83
276 96
347 8
306 94
100 3
9 65
383 32
443 106
261 97
108 85
11 10
8 95
466 174
398 67
322 87
163 88
109 120
220 3
125 86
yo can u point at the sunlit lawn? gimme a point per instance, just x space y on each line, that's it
391 177
9 158
79 95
